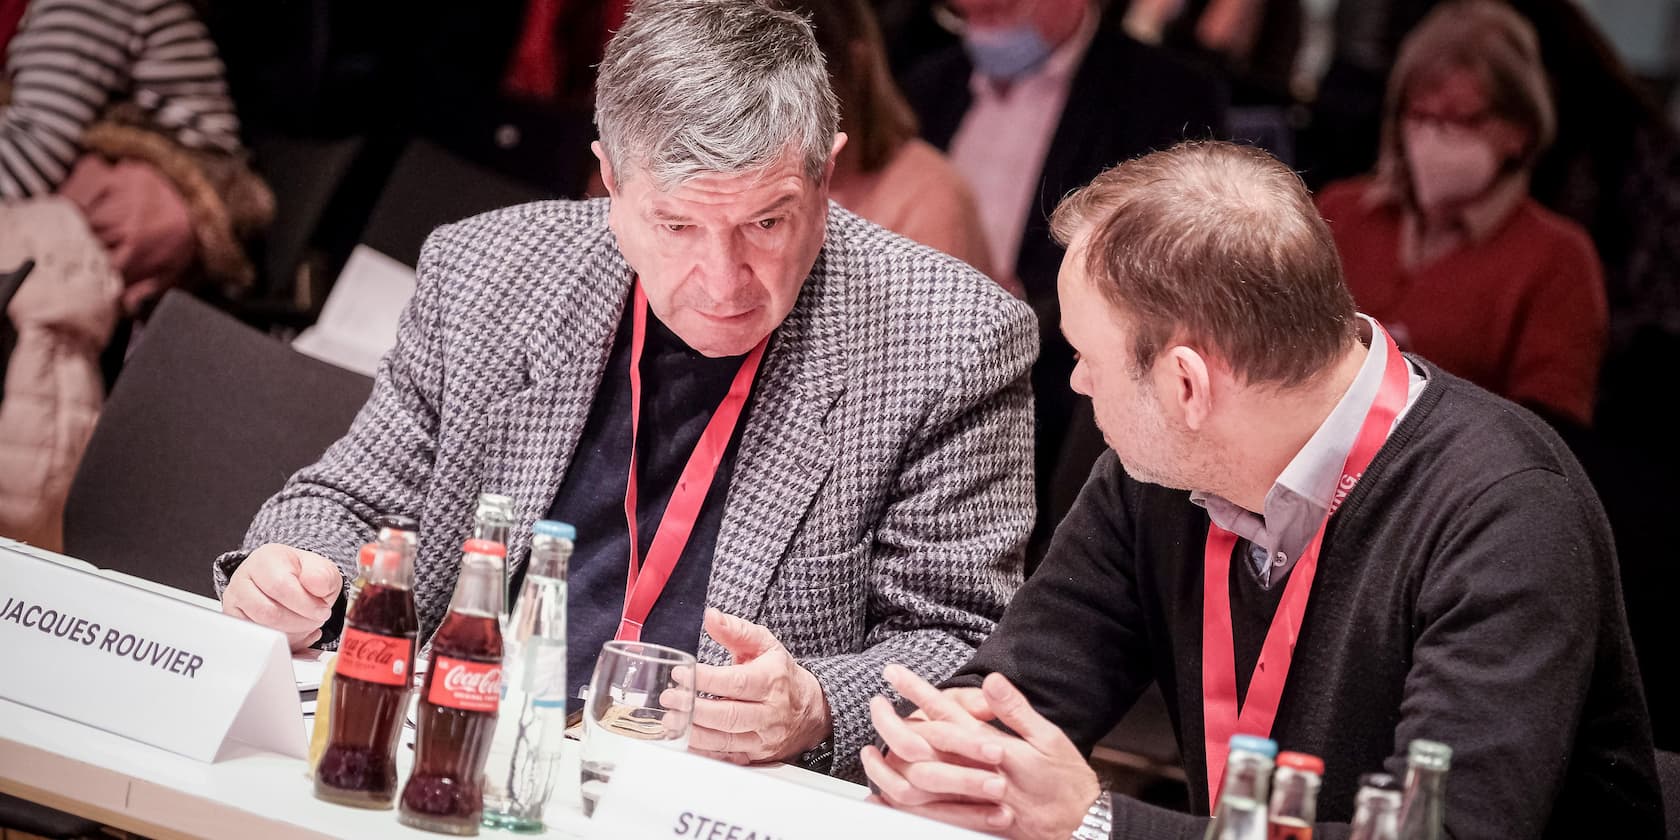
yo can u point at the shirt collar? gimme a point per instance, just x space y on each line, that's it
1476 223
1301 496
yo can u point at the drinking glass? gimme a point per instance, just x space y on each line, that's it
639 692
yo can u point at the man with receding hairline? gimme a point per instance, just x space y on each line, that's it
1299 533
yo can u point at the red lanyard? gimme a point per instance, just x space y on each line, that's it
647 580
1265 687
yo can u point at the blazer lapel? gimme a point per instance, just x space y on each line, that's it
784 455
534 431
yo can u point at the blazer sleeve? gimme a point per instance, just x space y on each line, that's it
947 555
382 463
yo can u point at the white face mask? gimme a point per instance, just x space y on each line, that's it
1448 164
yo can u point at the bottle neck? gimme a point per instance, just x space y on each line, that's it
1246 777
549 557
1377 815
1294 794
1420 811
393 566
479 588
496 532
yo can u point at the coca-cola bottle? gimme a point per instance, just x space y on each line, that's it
458 701
370 686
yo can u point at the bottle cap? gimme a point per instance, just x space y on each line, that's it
1429 755
557 530
490 547
1301 761
1254 744
1379 781
496 501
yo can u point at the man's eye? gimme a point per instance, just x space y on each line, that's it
676 228
768 223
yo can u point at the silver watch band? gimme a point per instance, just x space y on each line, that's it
1099 820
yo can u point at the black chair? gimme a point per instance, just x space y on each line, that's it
1668 774
208 420
431 187
307 175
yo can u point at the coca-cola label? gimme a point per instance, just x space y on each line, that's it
373 658
464 685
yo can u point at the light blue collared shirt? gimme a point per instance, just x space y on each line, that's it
1300 499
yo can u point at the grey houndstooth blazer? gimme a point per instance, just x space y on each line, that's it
883 485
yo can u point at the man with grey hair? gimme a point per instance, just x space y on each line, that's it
800 435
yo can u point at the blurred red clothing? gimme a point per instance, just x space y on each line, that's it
1519 311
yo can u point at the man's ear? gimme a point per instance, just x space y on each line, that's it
1184 382
606 169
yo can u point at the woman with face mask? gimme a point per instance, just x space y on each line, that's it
1444 244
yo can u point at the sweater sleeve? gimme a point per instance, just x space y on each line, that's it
1506 631
64 62
1074 639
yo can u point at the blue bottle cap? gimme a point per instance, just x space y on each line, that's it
557 530
1254 744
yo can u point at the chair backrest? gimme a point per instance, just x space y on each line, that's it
431 187
1668 774
305 174
207 421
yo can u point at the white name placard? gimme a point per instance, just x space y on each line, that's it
660 793
141 664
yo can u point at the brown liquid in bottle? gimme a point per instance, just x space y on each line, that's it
369 695
1288 828
457 718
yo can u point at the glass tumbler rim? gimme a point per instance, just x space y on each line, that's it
648 652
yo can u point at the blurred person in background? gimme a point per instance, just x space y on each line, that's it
1252 43
1040 97
886 173
121 174
121 106
1615 170
1443 242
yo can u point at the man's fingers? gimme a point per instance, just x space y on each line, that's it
892 786
279 582
319 577
748 744
732 758
731 715
973 701
744 640
922 693
896 732
302 642
677 699
984 747
1015 712
257 608
987 818
749 682
956 780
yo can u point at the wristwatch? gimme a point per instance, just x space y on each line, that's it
1099 820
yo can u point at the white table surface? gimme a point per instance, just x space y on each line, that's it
247 793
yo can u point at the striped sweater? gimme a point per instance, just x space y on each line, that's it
72 58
